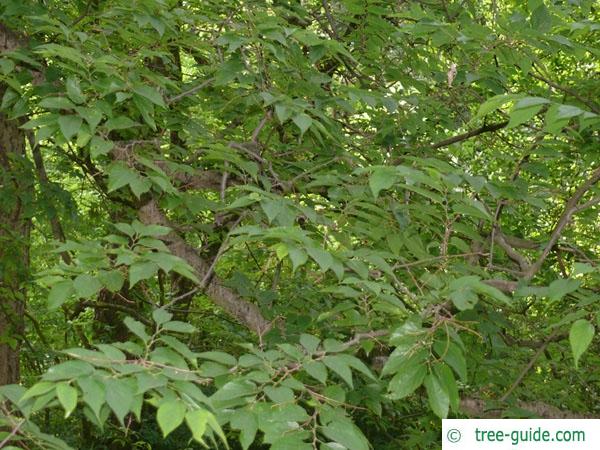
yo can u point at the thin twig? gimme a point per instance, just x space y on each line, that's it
590 104
189 92
469 134
13 432
529 365
330 20
570 209
260 126
588 204
436 258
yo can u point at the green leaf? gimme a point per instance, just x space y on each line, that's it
561 287
179 327
99 146
120 175
381 178
170 415
339 366
453 356
580 337
245 421
56 103
279 394
553 122
140 185
196 421
74 90
541 19
358 365
344 432
136 328
494 103
283 112
322 257
93 393
464 298
522 115
86 285
141 271
409 330
120 123
568 111
528 102
59 293
150 94
214 425
309 342
67 396
67 370
233 390
38 389
92 116
333 345
582 268
491 292
146 109
448 382
69 125
403 356
406 381
438 397
297 256
119 397
220 357
228 71
161 315
464 290
113 280
317 370
303 121
272 208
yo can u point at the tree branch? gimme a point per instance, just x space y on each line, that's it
57 229
590 104
477 408
469 134
245 312
571 208
529 365
512 253
189 92
505 286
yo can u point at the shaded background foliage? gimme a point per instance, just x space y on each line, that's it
295 224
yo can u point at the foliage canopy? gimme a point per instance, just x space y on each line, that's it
295 224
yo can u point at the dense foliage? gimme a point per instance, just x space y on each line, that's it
295 224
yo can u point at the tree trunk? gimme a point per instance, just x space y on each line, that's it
15 199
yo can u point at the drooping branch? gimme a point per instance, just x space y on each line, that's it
245 312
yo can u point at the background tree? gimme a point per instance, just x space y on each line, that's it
15 214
